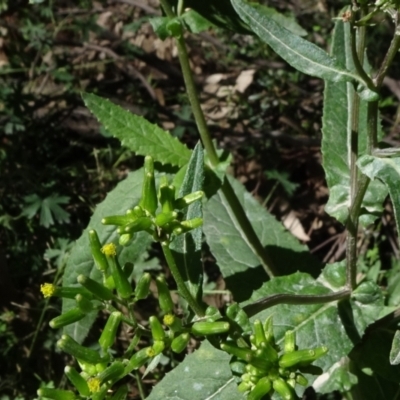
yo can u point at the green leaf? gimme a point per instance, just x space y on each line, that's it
125 196
206 375
313 323
196 22
338 104
186 248
299 53
395 350
136 133
235 258
388 171
159 25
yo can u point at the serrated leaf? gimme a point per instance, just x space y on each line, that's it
136 133
233 253
313 323
337 131
299 53
388 171
186 248
125 196
206 375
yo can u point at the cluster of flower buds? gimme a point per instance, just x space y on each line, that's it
161 222
264 368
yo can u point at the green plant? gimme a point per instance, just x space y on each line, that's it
294 319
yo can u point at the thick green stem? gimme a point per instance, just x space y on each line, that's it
182 288
235 205
273 300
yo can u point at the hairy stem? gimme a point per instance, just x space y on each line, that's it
182 288
273 300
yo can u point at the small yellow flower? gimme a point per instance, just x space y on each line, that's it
109 249
47 289
169 319
150 352
94 385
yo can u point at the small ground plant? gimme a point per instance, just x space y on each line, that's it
295 322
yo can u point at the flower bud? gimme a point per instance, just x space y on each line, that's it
96 288
149 195
112 373
259 334
283 389
205 328
290 342
77 380
137 360
118 220
141 224
83 303
87 368
68 318
190 224
240 352
157 331
166 195
70 346
121 282
212 313
269 351
125 239
262 387
174 323
158 347
109 333
99 258
56 394
94 384
163 219
244 386
302 357
188 199
180 342
301 380
269 331
164 295
143 286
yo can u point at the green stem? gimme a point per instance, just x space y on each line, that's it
182 288
235 205
260 305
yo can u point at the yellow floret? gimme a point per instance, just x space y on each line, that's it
150 352
109 249
47 289
94 385
169 319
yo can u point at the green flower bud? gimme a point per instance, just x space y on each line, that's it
96 288
191 224
252 370
157 331
125 239
100 367
87 368
244 386
112 373
77 380
174 323
137 212
290 342
101 392
163 219
70 346
122 284
302 357
188 199
241 352
262 387
164 295
268 351
269 331
109 333
121 393
301 380
118 220
260 361
158 347
68 318
108 282
56 394
206 328
174 28
143 287
283 389
128 268
141 224
291 382
166 196
137 360
83 303
149 195
235 313
95 247
67 292
180 342
259 334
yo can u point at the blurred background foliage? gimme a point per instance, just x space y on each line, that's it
57 163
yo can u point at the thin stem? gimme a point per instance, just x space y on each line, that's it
387 61
273 300
372 128
235 205
182 288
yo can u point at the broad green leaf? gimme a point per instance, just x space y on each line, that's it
159 25
125 196
335 147
388 171
203 375
187 247
136 133
234 255
313 323
395 350
195 21
299 53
